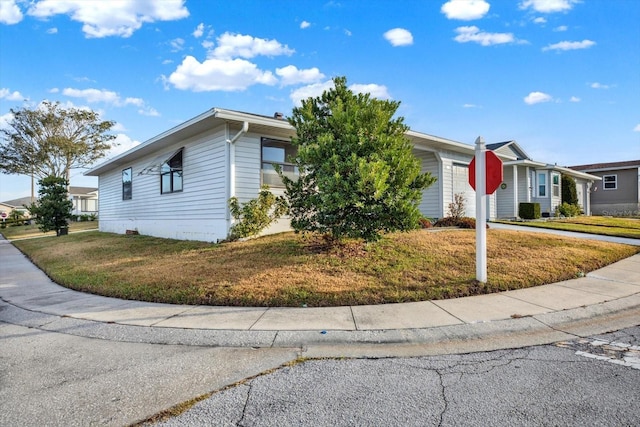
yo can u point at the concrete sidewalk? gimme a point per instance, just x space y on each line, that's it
30 298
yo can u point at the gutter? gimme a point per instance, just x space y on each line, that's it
231 165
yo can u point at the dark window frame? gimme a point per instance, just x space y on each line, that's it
127 186
614 181
171 176
287 167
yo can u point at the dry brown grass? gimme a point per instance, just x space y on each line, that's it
290 270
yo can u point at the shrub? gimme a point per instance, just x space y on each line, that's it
462 222
456 208
569 192
358 175
567 210
529 210
425 223
255 215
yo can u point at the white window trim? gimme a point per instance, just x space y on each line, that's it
554 186
615 182
546 186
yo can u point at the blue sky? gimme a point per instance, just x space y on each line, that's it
561 77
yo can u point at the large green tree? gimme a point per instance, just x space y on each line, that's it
50 140
358 175
52 211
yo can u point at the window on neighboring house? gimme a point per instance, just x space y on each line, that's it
127 192
171 174
555 183
610 182
542 184
277 153
89 205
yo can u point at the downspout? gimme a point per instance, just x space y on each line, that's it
231 166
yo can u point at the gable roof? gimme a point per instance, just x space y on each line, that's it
207 120
512 146
18 203
607 166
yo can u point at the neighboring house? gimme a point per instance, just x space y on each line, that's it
177 184
526 180
85 200
619 191
16 204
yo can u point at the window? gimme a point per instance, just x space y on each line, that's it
171 174
555 184
277 153
610 182
127 192
542 184
89 205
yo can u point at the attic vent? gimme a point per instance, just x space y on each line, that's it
278 116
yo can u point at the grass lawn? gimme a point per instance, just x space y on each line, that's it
27 231
609 226
291 270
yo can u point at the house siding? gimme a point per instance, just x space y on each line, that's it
624 200
505 196
431 203
196 213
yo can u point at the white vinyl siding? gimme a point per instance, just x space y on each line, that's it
460 185
430 205
195 212
247 167
505 196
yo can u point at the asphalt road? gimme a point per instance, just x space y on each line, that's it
580 382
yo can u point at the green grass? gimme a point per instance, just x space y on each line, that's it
608 226
28 231
293 270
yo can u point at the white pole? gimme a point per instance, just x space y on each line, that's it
481 211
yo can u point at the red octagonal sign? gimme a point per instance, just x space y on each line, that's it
493 172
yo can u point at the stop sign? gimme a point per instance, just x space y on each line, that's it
493 172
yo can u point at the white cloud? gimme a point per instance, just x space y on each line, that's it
399 37
305 24
93 95
561 28
114 18
347 33
597 85
575 99
317 89
465 10
218 74
122 143
233 45
11 96
176 44
473 34
291 75
10 13
109 97
470 106
376 91
566 45
540 20
4 120
310 91
199 31
548 6
537 97
635 129
53 30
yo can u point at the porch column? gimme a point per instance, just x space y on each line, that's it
515 191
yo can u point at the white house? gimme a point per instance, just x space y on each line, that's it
526 180
177 184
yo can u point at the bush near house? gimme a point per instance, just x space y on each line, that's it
529 210
567 210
